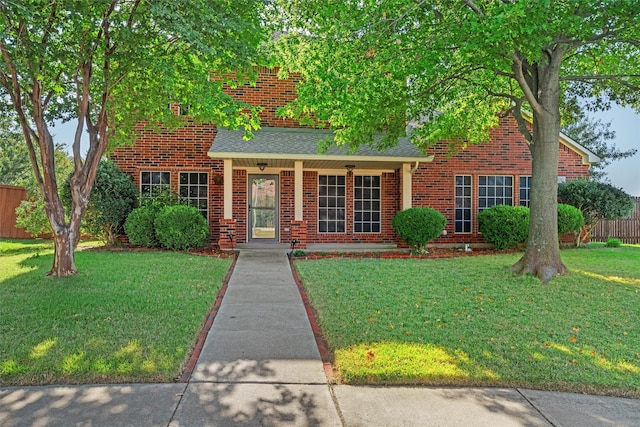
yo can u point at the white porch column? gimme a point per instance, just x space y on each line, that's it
406 186
228 189
298 190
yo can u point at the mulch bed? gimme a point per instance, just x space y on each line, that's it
401 254
215 252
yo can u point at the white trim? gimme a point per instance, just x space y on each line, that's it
349 158
228 189
298 191
407 186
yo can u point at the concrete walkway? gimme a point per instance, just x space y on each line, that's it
260 366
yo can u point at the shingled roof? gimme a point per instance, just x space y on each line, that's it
280 147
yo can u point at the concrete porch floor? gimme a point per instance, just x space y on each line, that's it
324 247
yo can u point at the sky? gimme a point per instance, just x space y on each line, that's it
625 122
623 173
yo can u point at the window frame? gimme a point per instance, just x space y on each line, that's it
370 200
197 185
526 188
328 200
461 198
150 193
495 187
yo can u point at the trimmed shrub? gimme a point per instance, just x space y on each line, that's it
418 226
613 243
181 227
113 197
140 228
504 226
570 219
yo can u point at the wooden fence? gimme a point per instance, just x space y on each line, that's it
627 230
10 198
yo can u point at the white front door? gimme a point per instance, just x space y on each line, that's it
263 208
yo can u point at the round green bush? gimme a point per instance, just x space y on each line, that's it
570 219
139 226
613 243
504 226
181 227
418 226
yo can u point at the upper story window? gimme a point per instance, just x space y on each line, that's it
494 190
331 203
153 183
525 190
366 204
194 187
463 204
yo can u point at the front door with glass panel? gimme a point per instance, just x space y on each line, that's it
263 208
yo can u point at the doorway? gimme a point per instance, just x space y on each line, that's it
263 208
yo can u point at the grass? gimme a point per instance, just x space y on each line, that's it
125 317
470 321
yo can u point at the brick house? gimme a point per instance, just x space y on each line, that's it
276 188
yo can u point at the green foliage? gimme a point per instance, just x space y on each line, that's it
113 197
140 228
181 227
596 200
31 216
115 65
613 243
140 224
15 166
30 213
504 226
418 226
451 69
570 219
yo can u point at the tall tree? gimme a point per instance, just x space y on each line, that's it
113 64
454 67
597 137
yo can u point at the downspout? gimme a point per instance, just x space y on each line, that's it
415 167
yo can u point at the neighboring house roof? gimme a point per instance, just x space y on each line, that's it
588 157
280 147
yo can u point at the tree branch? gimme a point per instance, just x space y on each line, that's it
522 123
517 68
473 7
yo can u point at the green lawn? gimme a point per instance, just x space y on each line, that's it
126 317
469 321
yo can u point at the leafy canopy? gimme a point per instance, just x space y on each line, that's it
372 66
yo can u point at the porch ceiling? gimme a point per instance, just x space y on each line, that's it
281 147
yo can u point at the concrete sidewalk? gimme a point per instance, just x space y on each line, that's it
260 366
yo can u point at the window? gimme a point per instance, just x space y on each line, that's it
494 190
194 187
366 204
463 204
525 190
331 203
153 183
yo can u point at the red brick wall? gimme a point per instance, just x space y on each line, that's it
185 150
507 154
270 93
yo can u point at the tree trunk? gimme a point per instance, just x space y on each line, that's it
64 256
542 255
